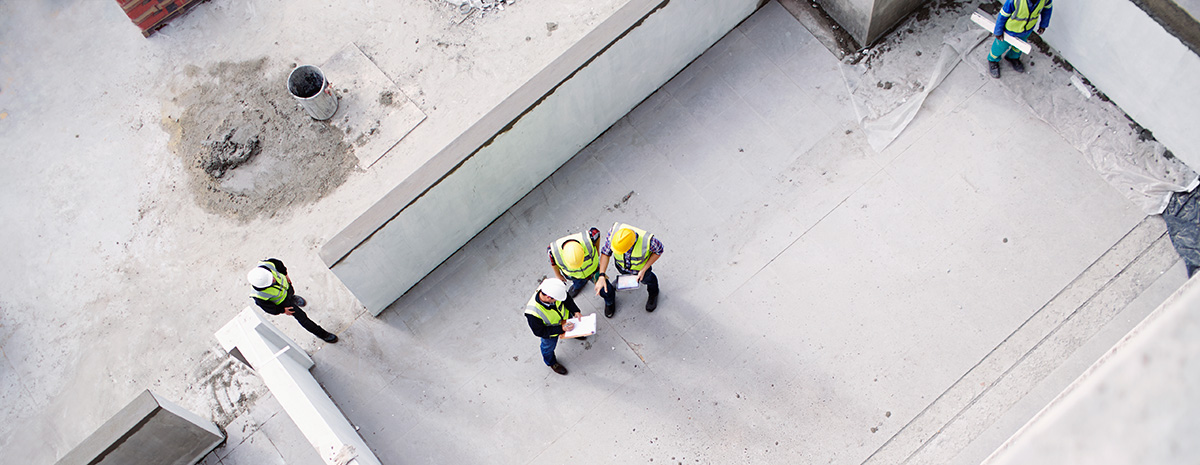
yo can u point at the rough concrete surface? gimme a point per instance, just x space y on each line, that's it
818 296
117 274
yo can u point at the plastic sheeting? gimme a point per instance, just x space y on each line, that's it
1183 225
1137 166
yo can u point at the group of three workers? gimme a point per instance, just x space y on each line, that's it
579 258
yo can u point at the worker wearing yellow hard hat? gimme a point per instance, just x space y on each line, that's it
575 259
633 251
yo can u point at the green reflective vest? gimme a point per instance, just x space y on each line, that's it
551 317
1023 19
636 259
275 293
590 262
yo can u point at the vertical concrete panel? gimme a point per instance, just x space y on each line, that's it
148 430
1144 69
887 14
414 242
853 15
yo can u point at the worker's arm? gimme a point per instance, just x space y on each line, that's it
1045 22
1001 19
554 265
571 307
649 261
602 281
541 329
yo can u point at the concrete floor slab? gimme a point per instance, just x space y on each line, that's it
817 296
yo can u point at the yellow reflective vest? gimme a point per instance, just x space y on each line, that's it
1024 19
590 261
551 317
636 259
276 292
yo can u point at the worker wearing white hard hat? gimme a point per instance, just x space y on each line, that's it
548 312
274 293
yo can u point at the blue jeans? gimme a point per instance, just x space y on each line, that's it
548 345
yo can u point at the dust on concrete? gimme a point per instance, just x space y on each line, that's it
249 150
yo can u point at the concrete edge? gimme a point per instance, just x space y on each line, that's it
1183 299
114 431
497 121
1177 21
814 18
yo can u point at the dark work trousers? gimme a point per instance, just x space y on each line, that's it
308 324
650 280
607 293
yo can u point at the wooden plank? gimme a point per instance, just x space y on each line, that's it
988 22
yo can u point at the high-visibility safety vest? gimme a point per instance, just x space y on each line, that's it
590 260
1023 18
636 259
551 317
276 292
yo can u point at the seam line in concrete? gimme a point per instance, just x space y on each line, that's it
994 350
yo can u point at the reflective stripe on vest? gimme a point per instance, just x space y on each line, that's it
590 263
550 318
275 293
1023 19
635 260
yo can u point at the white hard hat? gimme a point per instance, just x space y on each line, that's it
260 277
554 288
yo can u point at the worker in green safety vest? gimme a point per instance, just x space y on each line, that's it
576 259
633 251
547 313
274 293
1017 18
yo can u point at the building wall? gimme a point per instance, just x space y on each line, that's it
1147 71
465 187
868 20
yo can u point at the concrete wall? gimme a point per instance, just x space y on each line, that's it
527 137
1149 73
148 430
868 20
1137 404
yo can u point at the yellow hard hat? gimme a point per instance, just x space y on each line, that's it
623 240
573 254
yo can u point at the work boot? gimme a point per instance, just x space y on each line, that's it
558 368
610 309
299 301
1016 64
652 302
331 338
994 69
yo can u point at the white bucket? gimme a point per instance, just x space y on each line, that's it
308 84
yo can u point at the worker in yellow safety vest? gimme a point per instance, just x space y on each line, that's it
633 251
576 259
547 313
1017 18
274 293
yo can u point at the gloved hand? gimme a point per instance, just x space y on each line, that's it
1041 30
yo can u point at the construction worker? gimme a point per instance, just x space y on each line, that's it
632 251
547 313
576 259
1018 18
274 293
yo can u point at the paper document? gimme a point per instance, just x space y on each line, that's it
627 281
584 326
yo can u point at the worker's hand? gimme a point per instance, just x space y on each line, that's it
568 325
578 315
289 310
1000 36
601 284
1041 30
642 274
